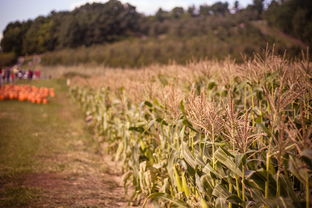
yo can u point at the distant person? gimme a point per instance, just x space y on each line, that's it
12 76
25 74
7 74
20 74
1 76
30 74
37 74
15 71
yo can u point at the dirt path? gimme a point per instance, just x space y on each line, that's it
50 159
85 181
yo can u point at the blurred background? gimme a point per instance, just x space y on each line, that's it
135 33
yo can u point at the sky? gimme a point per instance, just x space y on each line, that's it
12 10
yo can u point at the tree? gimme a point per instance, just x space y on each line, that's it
177 12
70 34
205 10
39 37
89 24
13 36
258 5
161 15
236 6
220 8
191 10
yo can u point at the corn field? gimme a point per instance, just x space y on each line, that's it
209 134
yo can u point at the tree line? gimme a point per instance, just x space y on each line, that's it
86 25
113 21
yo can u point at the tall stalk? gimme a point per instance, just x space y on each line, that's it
243 184
267 181
230 191
307 190
213 147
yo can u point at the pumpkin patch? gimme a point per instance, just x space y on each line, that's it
26 93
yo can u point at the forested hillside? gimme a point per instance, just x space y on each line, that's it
212 31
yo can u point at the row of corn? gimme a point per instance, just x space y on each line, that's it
26 93
246 143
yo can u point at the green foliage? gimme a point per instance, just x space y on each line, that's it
293 17
218 8
248 147
7 59
177 33
86 25
218 44
258 5
13 37
38 38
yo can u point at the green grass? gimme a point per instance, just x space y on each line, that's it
26 130
30 133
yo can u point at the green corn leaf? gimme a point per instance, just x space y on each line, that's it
188 124
295 170
221 203
234 199
162 121
119 151
166 197
185 186
221 192
199 184
189 158
259 199
240 159
182 107
287 189
257 180
177 180
149 104
264 128
208 169
139 129
203 203
306 156
226 160
211 85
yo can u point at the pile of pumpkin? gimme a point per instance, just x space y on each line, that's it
26 93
